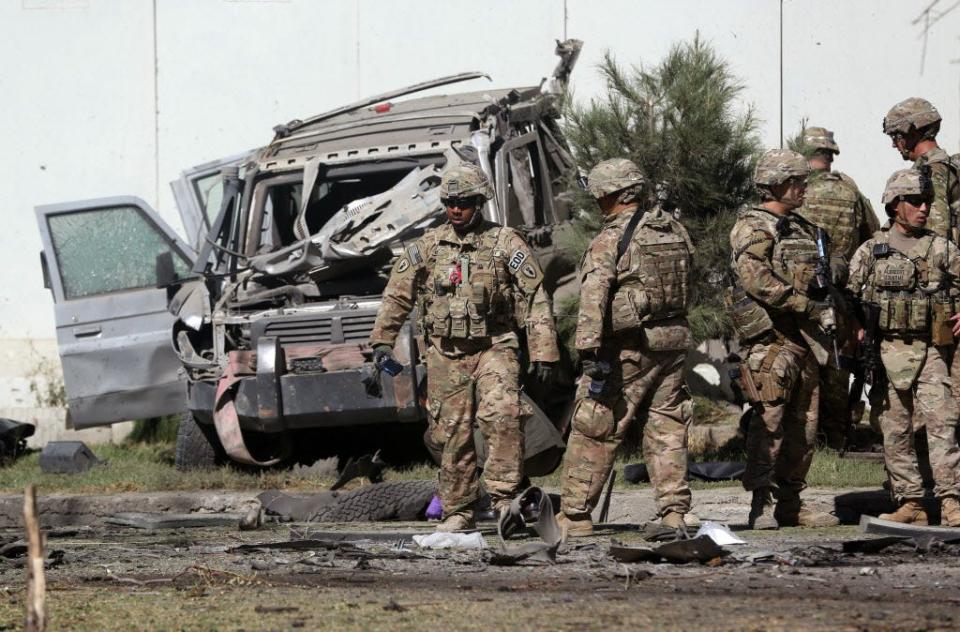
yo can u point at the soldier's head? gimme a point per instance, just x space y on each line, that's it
616 184
907 198
781 178
464 189
819 147
912 126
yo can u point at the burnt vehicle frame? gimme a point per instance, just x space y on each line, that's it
271 303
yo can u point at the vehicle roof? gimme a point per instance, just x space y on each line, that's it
414 126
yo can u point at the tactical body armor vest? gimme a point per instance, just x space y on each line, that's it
653 276
830 202
468 293
908 291
794 261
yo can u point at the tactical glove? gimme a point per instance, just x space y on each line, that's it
543 373
382 352
822 312
595 369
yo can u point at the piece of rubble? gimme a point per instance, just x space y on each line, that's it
869 524
532 503
67 457
143 520
701 549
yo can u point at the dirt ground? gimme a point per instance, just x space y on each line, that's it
116 578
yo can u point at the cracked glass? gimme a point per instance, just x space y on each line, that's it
109 250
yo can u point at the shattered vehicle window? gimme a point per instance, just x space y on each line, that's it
108 250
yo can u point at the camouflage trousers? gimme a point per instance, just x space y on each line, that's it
481 386
929 403
781 438
644 384
834 413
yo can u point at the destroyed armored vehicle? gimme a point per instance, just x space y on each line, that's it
274 298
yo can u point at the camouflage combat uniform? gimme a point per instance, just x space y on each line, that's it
633 317
913 285
833 202
773 261
473 291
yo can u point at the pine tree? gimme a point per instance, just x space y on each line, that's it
682 122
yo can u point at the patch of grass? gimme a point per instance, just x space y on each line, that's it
155 430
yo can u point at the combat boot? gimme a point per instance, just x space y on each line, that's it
793 512
762 511
949 511
457 521
673 520
692 520
575 525
910 512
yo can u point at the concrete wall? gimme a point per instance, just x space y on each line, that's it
108 97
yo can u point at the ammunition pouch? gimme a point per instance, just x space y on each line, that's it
664 336
750 319
904 313
628 307
941 310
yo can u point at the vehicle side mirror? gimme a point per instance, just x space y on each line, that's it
46 271
166 275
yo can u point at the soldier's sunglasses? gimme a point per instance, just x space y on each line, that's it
916 200
472 201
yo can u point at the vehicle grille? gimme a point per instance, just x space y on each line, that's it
321 328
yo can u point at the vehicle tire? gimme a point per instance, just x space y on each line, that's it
390 500
197 445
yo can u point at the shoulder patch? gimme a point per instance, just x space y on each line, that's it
414 253
528 271
517 259
402 264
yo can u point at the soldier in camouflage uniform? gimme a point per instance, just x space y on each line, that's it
779 319
833 202
632 337
475 284
912 274
913 125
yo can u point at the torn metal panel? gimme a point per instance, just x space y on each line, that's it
702 549
869 524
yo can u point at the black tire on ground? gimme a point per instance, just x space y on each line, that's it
391 500
197 445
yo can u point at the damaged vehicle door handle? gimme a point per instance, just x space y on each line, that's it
86 332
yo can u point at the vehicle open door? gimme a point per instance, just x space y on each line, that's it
113 329
199 192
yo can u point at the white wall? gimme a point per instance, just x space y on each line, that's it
78 104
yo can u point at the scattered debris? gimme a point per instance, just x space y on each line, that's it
13 439
701 549
253 519
67 457
532 503
719 533
874 545
441 540
710 471
869 524
143 520
367 466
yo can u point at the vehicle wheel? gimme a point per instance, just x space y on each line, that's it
390 500
197 445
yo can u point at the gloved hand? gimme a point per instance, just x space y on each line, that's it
382 352
595 369
822 312
543 373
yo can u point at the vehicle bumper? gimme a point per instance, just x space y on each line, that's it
270 403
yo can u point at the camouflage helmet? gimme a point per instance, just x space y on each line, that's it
906 182
820 138
776 166
465 180
615 174
912 113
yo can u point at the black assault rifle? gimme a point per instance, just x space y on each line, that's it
867 368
